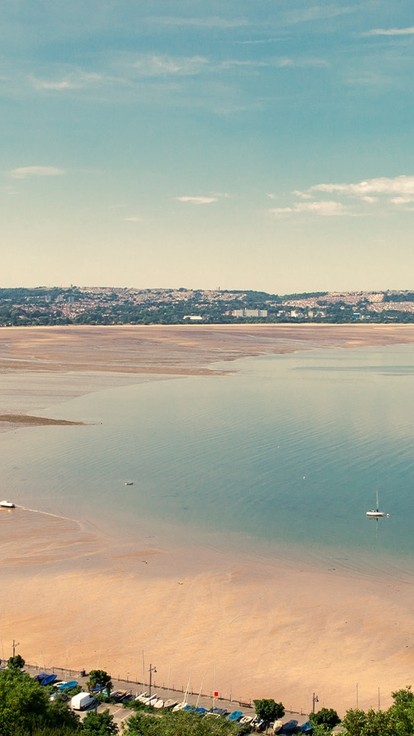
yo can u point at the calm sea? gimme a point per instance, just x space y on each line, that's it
282 457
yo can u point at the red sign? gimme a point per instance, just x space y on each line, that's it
215 694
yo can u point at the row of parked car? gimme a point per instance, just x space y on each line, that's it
235 716
84 701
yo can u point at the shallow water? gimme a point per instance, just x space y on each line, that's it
283 457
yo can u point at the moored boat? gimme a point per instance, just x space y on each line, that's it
7 505
375 513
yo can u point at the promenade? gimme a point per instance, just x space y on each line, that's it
121 713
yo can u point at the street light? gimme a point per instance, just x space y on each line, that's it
315 700
151 670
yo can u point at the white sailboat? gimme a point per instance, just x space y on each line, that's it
376 513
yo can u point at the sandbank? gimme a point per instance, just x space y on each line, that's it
32 421
177 350
261 627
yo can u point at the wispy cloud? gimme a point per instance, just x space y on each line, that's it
318 12
397 186
409 31
197 200
54 85
26 172
356 198
161 66
133 218
76 79
206 23
323 208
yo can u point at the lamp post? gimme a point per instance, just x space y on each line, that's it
315 700
151 670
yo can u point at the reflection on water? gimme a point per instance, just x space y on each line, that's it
285 455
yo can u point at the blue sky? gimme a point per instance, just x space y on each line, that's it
257 144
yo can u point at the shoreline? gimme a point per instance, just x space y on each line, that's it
254 627
249 628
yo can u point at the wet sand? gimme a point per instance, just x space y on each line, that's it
31 421
247 627
178 350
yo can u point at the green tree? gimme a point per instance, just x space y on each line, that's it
268 710
17 662
327 717
354 722
23 703
401 713
99 678
179 724
403 698
99 724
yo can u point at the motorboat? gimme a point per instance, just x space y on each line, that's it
7 505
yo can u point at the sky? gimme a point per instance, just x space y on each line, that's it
257 144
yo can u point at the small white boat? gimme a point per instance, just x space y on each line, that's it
376 513
129 482
150 700
142 696
170 703
179 706
7 505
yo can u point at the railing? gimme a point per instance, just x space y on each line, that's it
70 674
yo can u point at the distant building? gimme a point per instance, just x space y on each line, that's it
247 312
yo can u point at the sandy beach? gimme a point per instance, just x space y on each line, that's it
247 627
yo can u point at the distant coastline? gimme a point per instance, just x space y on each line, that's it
118 305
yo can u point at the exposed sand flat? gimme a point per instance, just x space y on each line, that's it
29 420
249 627
180 350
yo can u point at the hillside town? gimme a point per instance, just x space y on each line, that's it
114 305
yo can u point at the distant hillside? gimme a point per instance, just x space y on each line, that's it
115 305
